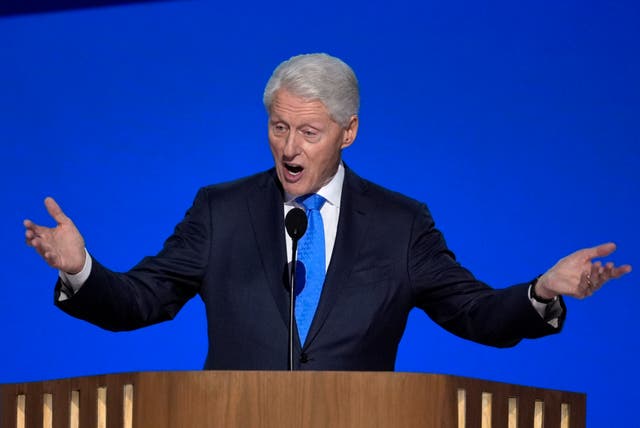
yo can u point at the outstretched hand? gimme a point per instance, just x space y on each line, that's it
578 275
62 246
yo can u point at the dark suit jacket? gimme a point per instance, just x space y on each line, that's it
230 249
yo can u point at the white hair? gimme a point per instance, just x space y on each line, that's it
318 77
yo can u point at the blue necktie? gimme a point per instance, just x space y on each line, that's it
310 268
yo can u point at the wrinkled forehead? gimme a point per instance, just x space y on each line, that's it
288 103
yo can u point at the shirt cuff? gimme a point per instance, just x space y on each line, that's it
550 312
71 283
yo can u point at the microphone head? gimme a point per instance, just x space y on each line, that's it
296 223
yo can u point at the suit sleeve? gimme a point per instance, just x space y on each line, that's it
156 288
460 303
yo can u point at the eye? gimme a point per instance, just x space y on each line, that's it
279 128
310 133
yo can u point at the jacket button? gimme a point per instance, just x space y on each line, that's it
304 358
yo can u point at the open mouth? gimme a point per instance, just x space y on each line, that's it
293 169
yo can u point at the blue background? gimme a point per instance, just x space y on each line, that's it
518 124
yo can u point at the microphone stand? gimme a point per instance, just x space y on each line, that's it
296 225
292 282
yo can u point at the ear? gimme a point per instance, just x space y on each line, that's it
350 132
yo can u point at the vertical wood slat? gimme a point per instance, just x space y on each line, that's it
74 409
462 408
513 413
101 407
21 405
486 410
47 410
127 406
538 414
565 412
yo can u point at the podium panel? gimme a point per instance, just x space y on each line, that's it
196 399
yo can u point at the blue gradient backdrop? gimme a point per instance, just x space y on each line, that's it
518 124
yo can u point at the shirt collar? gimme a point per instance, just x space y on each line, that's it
331 192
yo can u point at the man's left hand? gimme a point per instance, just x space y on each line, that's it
577 275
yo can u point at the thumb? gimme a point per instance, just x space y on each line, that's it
601 250
55 211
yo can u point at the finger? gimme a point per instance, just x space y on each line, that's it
620 270
606 273
609 272
597 269
39 244
29 234
594 275
598 251
39 248
33 230
29 225
600 275
55 211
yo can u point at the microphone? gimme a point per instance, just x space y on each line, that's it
296 225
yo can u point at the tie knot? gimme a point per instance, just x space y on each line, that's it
312 201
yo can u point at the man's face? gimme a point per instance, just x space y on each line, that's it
305 142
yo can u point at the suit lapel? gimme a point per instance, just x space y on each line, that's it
352 227
266 210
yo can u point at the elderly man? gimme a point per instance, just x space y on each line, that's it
368 257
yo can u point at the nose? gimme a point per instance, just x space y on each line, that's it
291 145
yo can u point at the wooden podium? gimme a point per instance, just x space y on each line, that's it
284 399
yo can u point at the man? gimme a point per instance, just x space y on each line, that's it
370 255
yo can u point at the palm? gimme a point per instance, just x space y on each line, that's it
578 275
62 246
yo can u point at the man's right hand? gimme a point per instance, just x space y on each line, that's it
62 246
